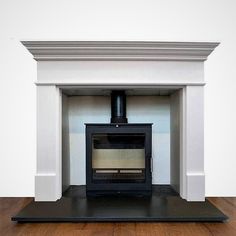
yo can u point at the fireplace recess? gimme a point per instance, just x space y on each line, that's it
118 155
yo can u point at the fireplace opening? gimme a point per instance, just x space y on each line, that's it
141 161
118 155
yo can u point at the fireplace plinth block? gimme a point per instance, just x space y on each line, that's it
45 187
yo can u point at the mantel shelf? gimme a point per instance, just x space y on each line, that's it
119 50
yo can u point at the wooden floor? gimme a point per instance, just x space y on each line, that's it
10 206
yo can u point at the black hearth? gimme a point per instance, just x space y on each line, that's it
118 155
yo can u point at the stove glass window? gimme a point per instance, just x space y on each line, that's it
118 158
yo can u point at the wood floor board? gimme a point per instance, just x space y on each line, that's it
225 205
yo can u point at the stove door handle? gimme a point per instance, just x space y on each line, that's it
151 164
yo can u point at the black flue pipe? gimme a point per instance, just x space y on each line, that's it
118 107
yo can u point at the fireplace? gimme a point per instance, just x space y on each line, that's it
147 68
118 155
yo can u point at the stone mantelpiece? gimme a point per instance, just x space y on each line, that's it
142 65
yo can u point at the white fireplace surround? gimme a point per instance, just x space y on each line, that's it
145 66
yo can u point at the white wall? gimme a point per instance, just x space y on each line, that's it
140 109
186 20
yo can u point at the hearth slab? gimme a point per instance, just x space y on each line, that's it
114 209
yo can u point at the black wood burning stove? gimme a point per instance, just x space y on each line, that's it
118 155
